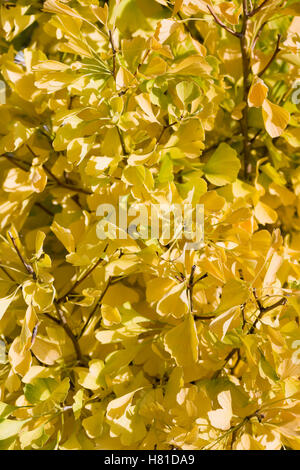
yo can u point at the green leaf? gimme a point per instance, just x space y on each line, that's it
39 390
223 166
37 437
6 410
187 91
10 428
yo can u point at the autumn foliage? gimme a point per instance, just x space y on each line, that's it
141 343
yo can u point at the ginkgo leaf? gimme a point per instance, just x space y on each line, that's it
177 6
221 417
164 29
10 427
6 301
182 342
275 118
257 93
193 65
223 166
54 6
117 333
265 214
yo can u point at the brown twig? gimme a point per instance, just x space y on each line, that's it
122 141
62 319
98 304
56 320
7 274
257 9
277 50
114 54
27 266
44 208
258 35
189 289
69 332
220 23
79 281
14 161
227 359
246 88
263 310
57 181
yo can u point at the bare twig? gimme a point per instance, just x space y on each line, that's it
227 359
122 141
189 289
44 208
7 274
264 310
114 54
79 281
57 181
277 50
220 23
98 304
258 35
69 332
27 266
257 9
246 87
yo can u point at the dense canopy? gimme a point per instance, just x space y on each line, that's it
142 343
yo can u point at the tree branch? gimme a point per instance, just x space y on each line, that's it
57 181
277 50
264 310
246 88
27 266
62 319
69 332
220 23
98 304
257 9
114 54
7 274
79 281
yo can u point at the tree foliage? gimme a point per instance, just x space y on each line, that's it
142 344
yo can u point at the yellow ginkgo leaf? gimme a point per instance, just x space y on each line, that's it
110 315
257 93
265 214
275 118
229 12
221 417
55 6
223 166
174 302
182 342
164 29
